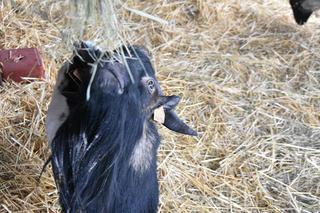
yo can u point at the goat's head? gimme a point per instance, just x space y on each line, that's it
127 73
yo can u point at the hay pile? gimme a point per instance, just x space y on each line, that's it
249 78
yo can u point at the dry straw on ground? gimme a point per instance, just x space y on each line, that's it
249 79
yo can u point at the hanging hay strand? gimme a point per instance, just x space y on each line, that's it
249 81
99 16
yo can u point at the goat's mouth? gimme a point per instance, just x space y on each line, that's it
72 88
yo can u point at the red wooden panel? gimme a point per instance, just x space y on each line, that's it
17 63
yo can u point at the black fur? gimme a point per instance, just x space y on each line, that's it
91 150
301 15
112 185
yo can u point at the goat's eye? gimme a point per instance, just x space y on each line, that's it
151 86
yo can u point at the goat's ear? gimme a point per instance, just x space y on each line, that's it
174 123
171 119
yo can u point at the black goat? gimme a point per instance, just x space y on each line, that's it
302 9
102 134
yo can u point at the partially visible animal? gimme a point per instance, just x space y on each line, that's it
102 134
302 9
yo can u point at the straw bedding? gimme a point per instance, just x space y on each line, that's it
249 81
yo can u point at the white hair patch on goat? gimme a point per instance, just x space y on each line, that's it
142 155
58 110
